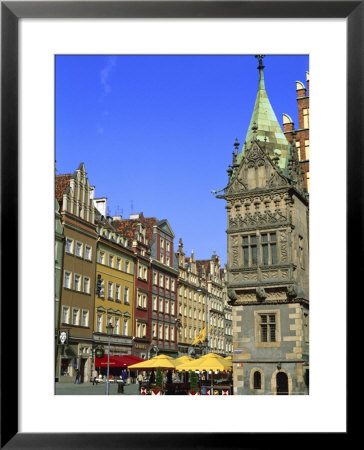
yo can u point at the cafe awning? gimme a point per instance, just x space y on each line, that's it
118 361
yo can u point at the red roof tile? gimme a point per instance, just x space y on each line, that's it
61 184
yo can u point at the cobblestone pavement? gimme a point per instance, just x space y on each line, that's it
97 389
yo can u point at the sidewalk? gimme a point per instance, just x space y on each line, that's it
97 389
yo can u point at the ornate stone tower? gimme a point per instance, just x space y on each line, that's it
267 216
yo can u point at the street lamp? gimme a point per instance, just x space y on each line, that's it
109 329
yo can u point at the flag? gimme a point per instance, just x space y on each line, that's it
201 337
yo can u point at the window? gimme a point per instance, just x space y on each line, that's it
166 332
69 245
154 303
185 311
118 263
268 328
306 120
67 280
111 261
161 331
250 250
88 253
75 316
126 295
86 285
65 314
172 308
142 300
160 280
144 330
99 323
307 149
160 304
172 333
79 249
168 246
190 313
101 257
125 327
110 290
269 248
127 266
117 325
172 284
257 380
139 330
108 321
185 332
194 314
155 278
117 292
168 260
145 273
154 330
77 282
167 282
84 318
166 307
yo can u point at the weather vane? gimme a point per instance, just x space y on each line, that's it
260 59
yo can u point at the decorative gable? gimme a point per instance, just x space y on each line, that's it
257 171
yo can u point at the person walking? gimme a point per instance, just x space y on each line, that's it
77 379
140 381
94 377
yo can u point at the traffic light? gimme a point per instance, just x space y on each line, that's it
98 285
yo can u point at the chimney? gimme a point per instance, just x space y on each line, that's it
101 205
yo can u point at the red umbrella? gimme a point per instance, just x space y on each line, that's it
118 361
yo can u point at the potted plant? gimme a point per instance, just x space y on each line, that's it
194 389
158 388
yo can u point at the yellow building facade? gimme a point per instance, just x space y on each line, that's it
115 291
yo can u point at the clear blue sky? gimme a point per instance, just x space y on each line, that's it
156 133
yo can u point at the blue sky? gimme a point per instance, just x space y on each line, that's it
156 133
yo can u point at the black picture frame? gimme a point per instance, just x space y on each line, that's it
11 12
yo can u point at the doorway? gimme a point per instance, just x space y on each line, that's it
282 383
82 370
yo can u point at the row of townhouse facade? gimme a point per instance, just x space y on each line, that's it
126 273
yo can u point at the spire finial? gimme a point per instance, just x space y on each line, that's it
260 59
236 145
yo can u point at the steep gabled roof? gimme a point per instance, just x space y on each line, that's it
62 182
128 227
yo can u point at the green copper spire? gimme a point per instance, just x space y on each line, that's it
268 128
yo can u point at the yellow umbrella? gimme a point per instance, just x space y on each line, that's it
183 359
211 361
162 361
228 358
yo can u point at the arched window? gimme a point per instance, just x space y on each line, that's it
257 380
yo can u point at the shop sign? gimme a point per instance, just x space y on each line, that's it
99 352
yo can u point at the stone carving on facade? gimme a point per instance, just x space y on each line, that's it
283 246
258 218
255 157
261 294
291 291
249 276
235 261
267 274
276 180
232 296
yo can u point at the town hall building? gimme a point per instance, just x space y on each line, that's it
268 264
